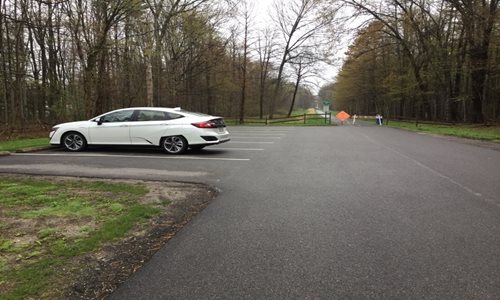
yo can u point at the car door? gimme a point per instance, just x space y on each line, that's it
150 126
112 128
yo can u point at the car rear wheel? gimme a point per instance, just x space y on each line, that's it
174 144
74 141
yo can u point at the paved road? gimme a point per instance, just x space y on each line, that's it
341 212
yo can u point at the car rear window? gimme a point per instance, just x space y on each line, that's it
194 113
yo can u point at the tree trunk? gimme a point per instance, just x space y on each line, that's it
149 82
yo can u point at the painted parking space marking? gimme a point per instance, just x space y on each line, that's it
131 156
237 149
250 142
256 137
258 133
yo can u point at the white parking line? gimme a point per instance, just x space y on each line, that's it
237 149
132 156
256 137
257 133
260 132
241 142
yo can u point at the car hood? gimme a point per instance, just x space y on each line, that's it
74 124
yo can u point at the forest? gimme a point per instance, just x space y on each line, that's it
436 60
65 60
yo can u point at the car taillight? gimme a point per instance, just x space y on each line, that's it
207 124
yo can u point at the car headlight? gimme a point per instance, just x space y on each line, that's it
53 131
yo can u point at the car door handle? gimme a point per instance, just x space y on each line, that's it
123 126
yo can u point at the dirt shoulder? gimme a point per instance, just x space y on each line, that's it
97 274
115 262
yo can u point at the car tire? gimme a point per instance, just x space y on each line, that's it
197 147
175 144
74 141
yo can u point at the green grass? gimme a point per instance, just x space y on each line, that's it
478 132
23 144
33 256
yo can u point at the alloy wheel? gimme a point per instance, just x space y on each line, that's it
74 142
174 144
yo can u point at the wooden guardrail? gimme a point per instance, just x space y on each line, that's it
303 119
420 121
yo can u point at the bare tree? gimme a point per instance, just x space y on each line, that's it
265 48
246 15
301 24
303 67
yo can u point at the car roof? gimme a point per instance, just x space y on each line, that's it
176 110
153 108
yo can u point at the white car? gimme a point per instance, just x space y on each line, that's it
173 129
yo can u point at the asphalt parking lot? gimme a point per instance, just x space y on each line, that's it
147 163
316 213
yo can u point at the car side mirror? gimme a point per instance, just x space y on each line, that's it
99 121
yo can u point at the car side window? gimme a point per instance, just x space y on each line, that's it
154 115
151 115
119 116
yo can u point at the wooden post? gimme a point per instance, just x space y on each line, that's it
305 118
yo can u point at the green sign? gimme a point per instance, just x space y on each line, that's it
326 102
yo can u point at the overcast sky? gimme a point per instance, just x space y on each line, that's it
262 18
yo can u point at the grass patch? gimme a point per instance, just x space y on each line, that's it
46 225
15 145
478 132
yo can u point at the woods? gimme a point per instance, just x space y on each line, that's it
73 59
64 60
424 59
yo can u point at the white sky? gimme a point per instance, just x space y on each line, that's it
261 12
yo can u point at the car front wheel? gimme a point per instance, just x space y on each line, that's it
74 141
174 144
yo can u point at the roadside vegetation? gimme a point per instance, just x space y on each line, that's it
408 62
477 132
48 226
18 144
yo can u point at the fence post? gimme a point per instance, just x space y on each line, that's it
267 120
325 116
305 118
330 118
